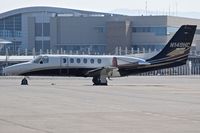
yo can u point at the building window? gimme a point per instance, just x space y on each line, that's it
42 45
155 30
18 22
9 23
38 46
1 24
42 29
99 29
38 29
46 29
11 26
46 45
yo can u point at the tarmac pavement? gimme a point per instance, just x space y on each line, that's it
135 104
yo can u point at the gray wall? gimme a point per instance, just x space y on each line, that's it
78 30
148 38
118 34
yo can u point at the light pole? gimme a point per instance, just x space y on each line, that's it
13 47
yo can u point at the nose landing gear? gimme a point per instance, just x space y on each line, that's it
24 81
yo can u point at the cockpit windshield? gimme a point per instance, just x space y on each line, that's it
41 59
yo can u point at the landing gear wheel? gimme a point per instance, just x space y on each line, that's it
99 81
24 81
96 80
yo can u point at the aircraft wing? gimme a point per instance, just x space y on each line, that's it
133 61
134 64
112 71
103 71
143 63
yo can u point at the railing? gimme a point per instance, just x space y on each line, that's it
191 68
116 51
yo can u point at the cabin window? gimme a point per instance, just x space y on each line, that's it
41 60
78 60
44 60
85 61
37 59
71 60
64 60
99 61
92 61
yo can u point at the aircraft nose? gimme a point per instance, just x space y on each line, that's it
14 70
9 71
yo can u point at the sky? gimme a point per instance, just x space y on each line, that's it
108 5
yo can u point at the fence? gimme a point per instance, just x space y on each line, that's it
191 68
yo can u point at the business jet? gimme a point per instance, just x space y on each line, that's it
103 67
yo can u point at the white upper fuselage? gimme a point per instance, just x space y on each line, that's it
48 62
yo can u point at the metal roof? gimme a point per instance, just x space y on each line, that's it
51 10
2 41
15 58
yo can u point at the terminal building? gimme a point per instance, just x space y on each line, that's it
51 29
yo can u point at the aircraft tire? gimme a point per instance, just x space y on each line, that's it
97 81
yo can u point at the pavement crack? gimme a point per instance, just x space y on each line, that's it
24 126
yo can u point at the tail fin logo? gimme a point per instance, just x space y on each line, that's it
180 45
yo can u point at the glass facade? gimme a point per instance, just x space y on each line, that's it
42 29
38 29
100 29
160 31
46 29
11 26
42 45
2 25
156 30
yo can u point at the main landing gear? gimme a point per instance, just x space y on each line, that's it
100 80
